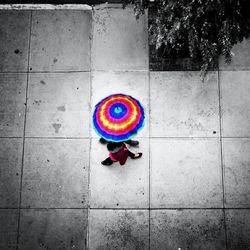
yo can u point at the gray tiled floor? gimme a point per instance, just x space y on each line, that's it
235 103
120 187
8 232
14 34
188 174
10 169
238 228
190 188
120 42
118 229
55 173
194 229
193 105
237 174
12 109
58 105
53 229
50 30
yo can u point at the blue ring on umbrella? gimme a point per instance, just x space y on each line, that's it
123 137
118 110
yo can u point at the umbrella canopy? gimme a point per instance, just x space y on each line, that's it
118 117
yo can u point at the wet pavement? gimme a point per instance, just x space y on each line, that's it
190 190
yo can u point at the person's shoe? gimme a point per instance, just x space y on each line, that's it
103 141
133 143
106 163
136 156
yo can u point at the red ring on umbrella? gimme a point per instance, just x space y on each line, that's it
123 131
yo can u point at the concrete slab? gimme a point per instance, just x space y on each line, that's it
187 229
185 173
14 40
53 229
238 228
240 58
12 104
55 173
135 84
182 105
119 40
61 40
8 232
118 229
236 154
58 105
118 186
235 103
10 169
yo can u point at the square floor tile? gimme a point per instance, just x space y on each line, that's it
58 105
60 40
14 40
55 173
235 103
135 84
53 229
187 229
119 186
119 40
8 231
12 104
238 228
236 154
185 173
10 171
118 229
240 58
182 105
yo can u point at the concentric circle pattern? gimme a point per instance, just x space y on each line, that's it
118 117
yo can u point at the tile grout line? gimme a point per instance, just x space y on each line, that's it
56 138
45 72
86 71
221 158
125 208
138 137
149 135
24 130
90 123
149 141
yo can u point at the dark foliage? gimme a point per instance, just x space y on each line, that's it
200 29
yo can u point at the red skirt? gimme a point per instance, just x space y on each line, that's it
120 156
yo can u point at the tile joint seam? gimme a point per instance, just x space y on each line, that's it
24 131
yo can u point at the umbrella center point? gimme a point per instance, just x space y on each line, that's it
118 110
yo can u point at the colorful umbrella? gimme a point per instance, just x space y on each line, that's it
118 117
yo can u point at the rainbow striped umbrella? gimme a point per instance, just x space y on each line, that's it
118 117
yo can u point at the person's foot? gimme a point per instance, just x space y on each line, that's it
106 163
133 143
137 155
103 141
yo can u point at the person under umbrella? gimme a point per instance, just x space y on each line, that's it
117 118
118 152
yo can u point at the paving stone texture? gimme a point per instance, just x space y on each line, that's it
53 229
12 101
190 190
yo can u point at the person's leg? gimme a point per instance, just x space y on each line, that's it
134 156
107 162
132 142
130 154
